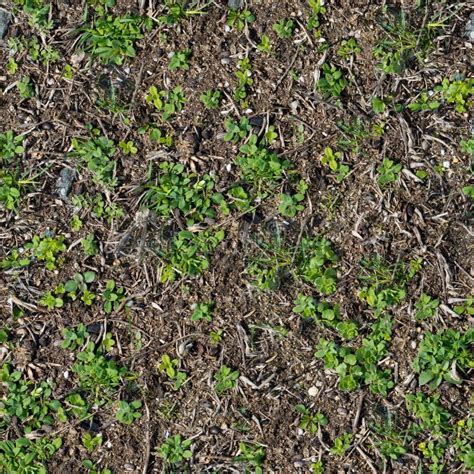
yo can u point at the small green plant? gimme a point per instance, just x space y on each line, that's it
458 92
26 455
314 259
428 409
177 189
239 18
51 301
383 283
284 28
10 146
244 77
426 307
112 39
310 421
252 454
264 46
443 356
91 442
112 296
97 154
348 48
360 366
236 131
38 13
388 172
341 444
10 190
89 244
188 253
211 99
332 82
25 87
333 160
259 165
424 102
74 338
170 367
290 205
202 311
99 377
175 451
127 412
47 249
225 379
179 60
317 11
128 148
167 102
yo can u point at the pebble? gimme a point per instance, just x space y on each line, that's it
313 391
5 18
64 182
234 4
469 31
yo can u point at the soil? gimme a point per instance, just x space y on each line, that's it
262 337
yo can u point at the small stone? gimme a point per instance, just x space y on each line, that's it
234 4
469 31
5 19
64 182
214 430
313 391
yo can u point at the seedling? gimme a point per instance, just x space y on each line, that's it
175 451
112 39
177 189
239 19
310 422
236 131
444 356
426 307
384 283
225 379
170 367
127 412
458 92
112 296
388 172
317 11
341 444
290 204
97 154
348 48
167 102
128 148
25 87
260 166
360 366
332 82
89 244
333 160
47 249
244 77
314 258
211 99
188 253
91 442
202 311
10 146
75 338
428 409
179 60
264 45
252 454
284 28
99 377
